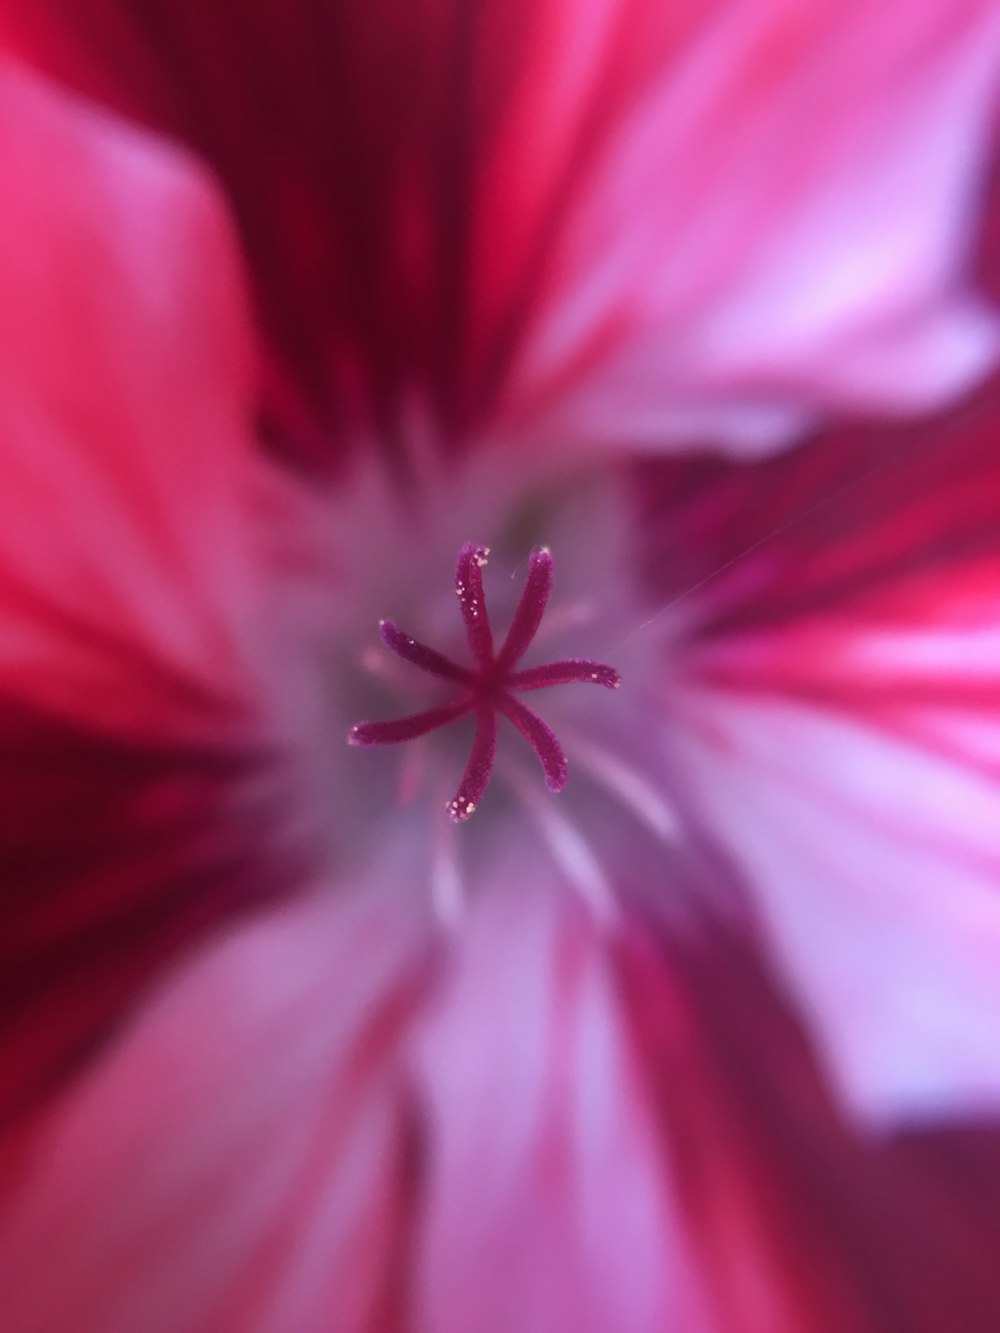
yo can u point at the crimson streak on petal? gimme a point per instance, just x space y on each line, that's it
489 685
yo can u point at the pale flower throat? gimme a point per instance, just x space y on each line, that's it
488 686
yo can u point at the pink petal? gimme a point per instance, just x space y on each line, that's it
778 218
141 794
874 857
241 1158
115 857
604 223
803 1223
125 567
836 715
545 1210
320 170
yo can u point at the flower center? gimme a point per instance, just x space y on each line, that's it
488 687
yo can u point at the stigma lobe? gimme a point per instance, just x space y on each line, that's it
488 687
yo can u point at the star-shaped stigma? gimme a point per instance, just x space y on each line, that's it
488 687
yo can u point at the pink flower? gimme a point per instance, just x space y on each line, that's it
707 1041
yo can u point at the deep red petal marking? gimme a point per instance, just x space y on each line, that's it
487 685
